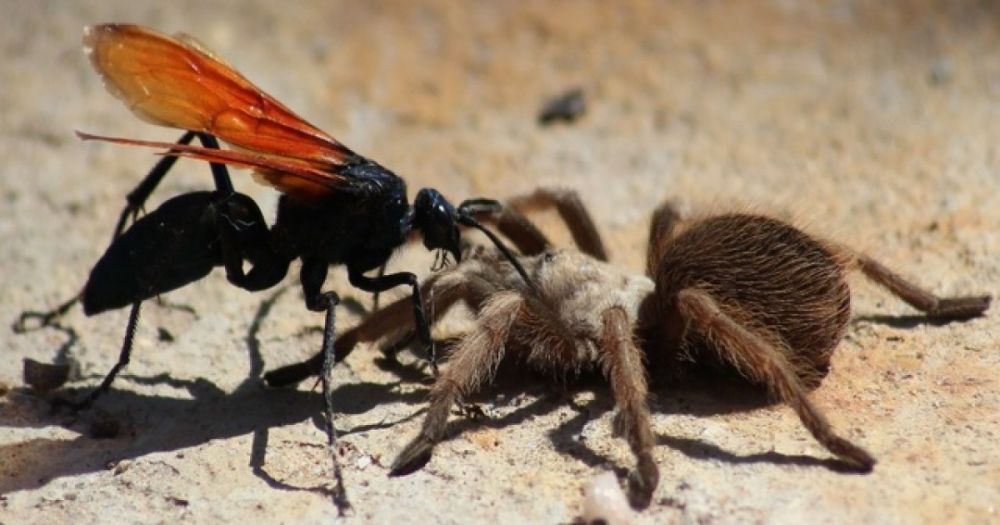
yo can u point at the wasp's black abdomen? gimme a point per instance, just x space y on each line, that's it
176 244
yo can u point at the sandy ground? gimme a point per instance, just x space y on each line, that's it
871 123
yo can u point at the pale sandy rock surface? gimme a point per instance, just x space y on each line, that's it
877 125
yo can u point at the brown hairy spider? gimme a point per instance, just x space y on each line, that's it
743 290
768 299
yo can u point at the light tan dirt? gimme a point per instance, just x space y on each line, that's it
873 123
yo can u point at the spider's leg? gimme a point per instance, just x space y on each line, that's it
573 212
395 316
621 361
529 240
441 291
474 361
661 231
932 305
755 355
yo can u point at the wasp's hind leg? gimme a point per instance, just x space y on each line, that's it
31 320
179 243
123 360
175 245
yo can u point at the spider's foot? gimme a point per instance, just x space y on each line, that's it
413 457
854 456
961 307
642 482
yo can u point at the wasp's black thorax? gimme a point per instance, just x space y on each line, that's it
360 228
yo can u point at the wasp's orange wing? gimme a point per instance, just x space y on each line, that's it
298 178
175 83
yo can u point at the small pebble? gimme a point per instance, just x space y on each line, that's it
605 502
44 377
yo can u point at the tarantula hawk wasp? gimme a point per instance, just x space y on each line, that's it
337 207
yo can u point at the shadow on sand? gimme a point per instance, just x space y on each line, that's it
171 424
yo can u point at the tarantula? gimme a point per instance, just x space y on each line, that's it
747 291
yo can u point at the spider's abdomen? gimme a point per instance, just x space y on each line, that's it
765 274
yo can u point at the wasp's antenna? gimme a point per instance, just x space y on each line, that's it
467 220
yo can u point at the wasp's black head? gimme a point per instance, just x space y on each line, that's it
439 222
435 217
